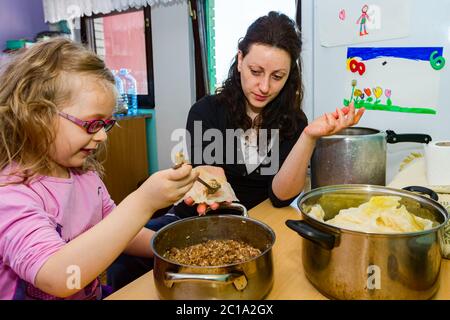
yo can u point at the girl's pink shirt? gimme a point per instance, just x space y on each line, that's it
36 220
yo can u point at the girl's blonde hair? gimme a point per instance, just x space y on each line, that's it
32 89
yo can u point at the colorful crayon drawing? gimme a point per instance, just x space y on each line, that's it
362 20
397 79
345 22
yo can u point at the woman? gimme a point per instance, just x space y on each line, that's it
260 99
263 92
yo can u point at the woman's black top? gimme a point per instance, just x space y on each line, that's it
250 188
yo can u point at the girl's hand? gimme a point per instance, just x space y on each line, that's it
166 187
331 123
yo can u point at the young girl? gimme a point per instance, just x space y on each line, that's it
59 228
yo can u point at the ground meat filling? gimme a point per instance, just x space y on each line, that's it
213 253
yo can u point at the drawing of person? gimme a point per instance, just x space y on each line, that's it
362 20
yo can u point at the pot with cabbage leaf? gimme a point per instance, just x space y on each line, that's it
371 242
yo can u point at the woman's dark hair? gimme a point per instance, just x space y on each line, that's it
284 112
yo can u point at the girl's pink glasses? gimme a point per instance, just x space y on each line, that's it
91 126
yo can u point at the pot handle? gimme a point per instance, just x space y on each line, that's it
392 137
238 279
233 205
433 195
323 239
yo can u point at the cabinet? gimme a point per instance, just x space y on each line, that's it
126 158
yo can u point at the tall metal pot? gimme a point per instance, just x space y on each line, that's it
251 279
346 264
355 155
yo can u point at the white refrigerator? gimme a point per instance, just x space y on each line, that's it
390 56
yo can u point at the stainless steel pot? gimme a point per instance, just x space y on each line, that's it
345 264
251 279
355 156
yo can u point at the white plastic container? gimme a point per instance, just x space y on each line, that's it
437 156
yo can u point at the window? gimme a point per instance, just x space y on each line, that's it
223 36
123 40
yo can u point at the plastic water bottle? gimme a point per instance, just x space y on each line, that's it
122 99
130 85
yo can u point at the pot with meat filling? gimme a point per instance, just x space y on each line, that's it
213 257
371 242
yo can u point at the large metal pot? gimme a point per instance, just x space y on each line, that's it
251 279
355 156
345 264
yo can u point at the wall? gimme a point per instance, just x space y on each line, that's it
20 19
306 58
173 62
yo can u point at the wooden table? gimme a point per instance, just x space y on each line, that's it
290 282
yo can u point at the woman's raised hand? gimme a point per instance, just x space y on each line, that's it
331 123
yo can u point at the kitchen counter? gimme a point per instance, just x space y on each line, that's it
290 282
